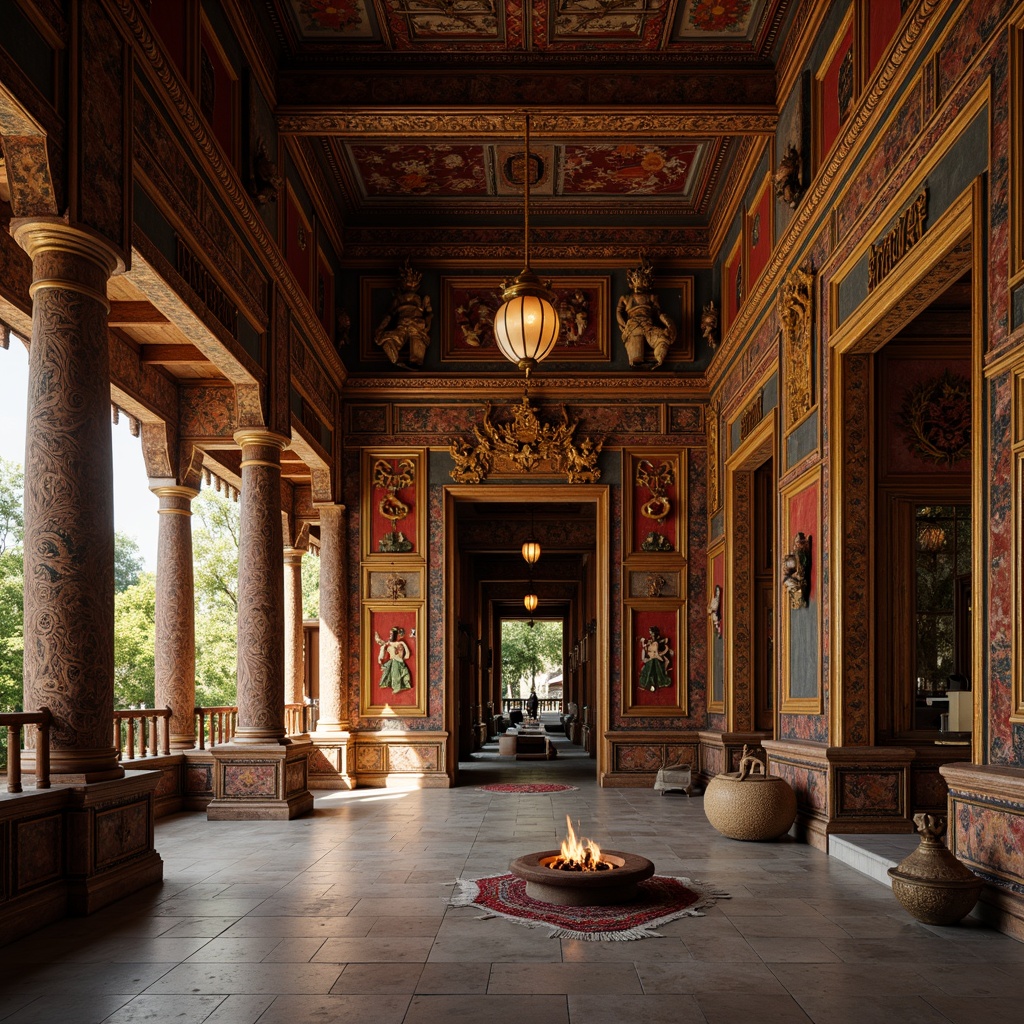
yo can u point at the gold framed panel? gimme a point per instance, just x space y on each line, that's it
1017 548
392 636
662 701
1016 93
377 500
397 584
681 289
798 513
754 232
733 285
820 102
468 305
639 525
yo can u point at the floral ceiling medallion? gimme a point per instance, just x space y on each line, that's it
523 444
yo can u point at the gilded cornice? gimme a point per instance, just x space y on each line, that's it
397 244
821 194
653 386
383 123
741 176
162 74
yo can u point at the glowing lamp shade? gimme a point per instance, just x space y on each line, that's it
531 551
530 602
526 326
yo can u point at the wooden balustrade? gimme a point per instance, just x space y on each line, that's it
544 704
299 718
14 722
151 725
215 725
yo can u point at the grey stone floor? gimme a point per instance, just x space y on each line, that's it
342 916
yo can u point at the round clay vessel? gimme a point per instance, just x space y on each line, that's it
748 806
931 884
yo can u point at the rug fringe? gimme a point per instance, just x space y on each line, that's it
706 896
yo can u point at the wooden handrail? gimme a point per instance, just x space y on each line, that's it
14 722
216 723
152 721
299 718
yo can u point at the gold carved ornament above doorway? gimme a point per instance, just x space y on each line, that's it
523 444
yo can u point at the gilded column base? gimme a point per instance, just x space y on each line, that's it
260 782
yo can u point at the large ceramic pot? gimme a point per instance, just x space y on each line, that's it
750 804
931 884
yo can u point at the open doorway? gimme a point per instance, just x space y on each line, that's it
486 580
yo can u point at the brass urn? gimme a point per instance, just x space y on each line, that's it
750 804
931 884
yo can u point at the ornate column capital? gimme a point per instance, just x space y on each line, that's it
39 236
175 499
247 436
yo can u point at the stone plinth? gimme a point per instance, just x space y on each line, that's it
260 781
329 762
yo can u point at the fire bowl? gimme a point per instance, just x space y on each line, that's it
582 888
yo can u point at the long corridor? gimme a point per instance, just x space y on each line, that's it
343 916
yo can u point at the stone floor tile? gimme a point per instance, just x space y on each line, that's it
474 1009
730 1007
377 949
365 979
868 1009
387 1008
299 927
454 979
239 1009
701 976
650 1009
786 949
248 978
181 1009
67 1008
971 1009
515 979
294 951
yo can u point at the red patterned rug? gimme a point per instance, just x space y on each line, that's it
660 899
526 787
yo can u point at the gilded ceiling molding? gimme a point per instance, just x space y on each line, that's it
825 183
651 124
524 445
668 387
167 77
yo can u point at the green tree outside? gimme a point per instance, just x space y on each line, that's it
128 562
528 652
12 590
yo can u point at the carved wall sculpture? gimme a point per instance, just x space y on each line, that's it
524 444
796 318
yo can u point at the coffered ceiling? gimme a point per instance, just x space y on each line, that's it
644 114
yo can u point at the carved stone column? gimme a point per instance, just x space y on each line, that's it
175 614
261 774
332 738
69 503
260 590
293 641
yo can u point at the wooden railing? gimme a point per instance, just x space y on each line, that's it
299 718
142 732
545 704
215 725
14 722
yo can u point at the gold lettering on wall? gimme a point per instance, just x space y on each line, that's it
906 233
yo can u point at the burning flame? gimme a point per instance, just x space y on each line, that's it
578 854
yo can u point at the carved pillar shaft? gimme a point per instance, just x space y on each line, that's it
175 655
333 622
69 503
293 640
260 590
